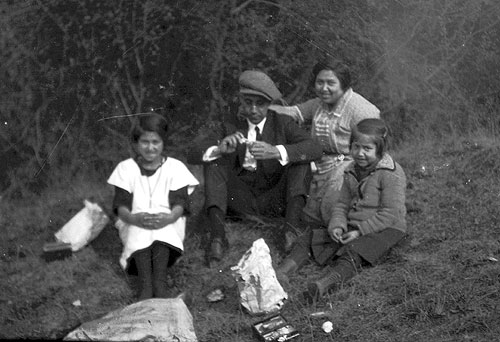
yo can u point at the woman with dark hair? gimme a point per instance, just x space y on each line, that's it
151 202
333 114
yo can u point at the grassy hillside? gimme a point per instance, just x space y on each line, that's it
440 285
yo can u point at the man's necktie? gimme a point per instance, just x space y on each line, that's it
258 136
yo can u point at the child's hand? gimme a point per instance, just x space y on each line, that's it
350 236
151 221
336 234
158 221
142 220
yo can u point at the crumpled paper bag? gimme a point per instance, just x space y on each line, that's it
83 227
260 290
156 319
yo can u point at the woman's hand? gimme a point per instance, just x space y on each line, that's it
229 143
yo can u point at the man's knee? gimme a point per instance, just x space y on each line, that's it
298 179
215 171
216 188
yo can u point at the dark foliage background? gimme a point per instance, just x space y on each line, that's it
74 73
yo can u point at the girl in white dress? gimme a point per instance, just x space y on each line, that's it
151 201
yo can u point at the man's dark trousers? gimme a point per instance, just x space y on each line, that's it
246 192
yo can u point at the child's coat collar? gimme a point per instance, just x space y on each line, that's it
386 163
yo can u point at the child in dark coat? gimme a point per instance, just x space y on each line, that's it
369 217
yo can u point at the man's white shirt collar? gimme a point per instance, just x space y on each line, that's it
251 126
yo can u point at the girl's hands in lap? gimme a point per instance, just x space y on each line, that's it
160 220
153 221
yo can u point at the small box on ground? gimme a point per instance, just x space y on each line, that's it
275 328
56 251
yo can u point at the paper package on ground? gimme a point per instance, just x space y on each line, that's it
156 319
83 227
260 290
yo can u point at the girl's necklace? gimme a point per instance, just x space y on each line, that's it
152 190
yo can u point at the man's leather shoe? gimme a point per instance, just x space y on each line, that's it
217 250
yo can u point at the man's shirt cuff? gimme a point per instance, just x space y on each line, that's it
284 155
211 153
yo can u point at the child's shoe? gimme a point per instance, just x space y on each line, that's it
320 287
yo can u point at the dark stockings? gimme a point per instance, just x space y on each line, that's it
152 269
145 273
160 257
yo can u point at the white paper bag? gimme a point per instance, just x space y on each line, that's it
156 319
83 227
260 290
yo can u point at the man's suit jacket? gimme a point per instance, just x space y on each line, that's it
279 129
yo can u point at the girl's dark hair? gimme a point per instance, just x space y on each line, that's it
340 70
150 123
375 128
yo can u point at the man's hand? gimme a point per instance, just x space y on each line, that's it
229 143
262 150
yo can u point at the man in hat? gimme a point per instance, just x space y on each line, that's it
260 166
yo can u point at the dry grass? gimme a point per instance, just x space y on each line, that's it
441 285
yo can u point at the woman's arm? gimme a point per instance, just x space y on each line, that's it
301 113
292 111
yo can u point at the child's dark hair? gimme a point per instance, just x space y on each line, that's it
375 128
340 70
150 123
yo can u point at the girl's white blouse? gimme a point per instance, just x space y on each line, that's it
150 194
